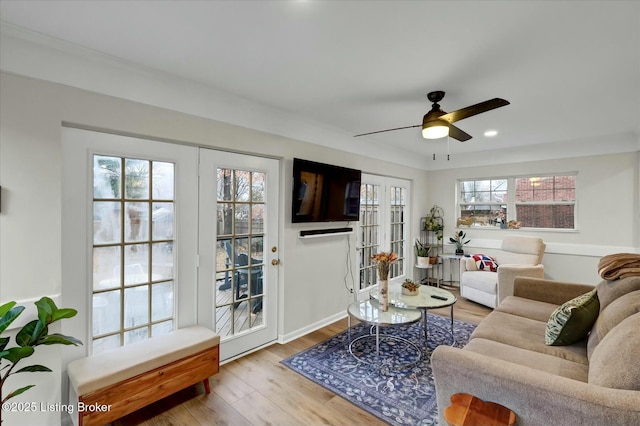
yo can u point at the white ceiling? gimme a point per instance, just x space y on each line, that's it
571 70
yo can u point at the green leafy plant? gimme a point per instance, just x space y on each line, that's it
459 240
433 222
33 334
422 249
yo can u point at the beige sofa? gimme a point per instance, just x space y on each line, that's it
595 381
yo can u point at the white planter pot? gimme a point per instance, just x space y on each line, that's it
424 262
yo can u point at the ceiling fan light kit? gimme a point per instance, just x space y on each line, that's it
437 124
435 129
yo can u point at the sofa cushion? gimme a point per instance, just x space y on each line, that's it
528 308
481 280
527 334
608 291
522 244
128 361
549 363
572 320
615 362
508 258
617 311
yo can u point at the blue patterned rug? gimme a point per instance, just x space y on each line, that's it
397 396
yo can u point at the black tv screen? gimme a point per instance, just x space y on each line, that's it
324 193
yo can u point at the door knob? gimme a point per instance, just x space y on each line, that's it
275 262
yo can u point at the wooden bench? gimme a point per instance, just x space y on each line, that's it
112 384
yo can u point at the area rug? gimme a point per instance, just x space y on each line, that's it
399 396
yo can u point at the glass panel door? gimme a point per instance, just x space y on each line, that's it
133 256
239 255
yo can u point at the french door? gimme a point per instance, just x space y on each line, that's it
238 249
159 236
383 226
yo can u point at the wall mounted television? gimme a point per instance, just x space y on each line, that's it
324 193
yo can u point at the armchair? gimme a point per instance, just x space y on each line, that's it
519 256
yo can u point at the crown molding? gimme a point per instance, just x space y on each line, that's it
31 54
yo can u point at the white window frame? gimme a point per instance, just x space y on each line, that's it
511 202
78 148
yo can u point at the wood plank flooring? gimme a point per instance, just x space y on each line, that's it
257 390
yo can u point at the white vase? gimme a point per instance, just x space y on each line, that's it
383 288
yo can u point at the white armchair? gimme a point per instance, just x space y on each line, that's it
519 256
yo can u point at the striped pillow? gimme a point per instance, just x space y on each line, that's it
573 320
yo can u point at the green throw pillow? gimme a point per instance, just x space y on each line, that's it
573 320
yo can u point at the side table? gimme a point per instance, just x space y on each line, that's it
451 258
467 410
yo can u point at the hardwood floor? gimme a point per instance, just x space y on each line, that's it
257 390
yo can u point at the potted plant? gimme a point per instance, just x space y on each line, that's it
432 222
459 240
33 334
410 288
422 253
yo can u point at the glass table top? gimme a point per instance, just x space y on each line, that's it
423 300
367 311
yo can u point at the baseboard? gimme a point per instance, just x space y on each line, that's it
286 338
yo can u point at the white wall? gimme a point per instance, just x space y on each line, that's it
607 211
31 117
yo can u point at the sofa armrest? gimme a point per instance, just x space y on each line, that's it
536 397
550 291
508 273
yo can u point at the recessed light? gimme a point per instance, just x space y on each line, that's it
490 133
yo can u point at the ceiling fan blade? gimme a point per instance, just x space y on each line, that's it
458 134
472 110
388 130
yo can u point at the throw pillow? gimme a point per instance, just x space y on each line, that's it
573 320
485 263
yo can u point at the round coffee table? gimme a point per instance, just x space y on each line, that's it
367 311
427 298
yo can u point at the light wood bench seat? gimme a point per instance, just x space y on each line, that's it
112 384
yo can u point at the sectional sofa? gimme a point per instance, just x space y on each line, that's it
594 381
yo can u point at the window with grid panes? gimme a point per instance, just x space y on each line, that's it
483 201
397 227
133 259
546 202
369 228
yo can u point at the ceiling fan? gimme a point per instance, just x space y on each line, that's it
437 123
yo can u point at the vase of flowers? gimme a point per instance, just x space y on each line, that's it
459 240
383 260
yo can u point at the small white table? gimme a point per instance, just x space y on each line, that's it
367 312
451 258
